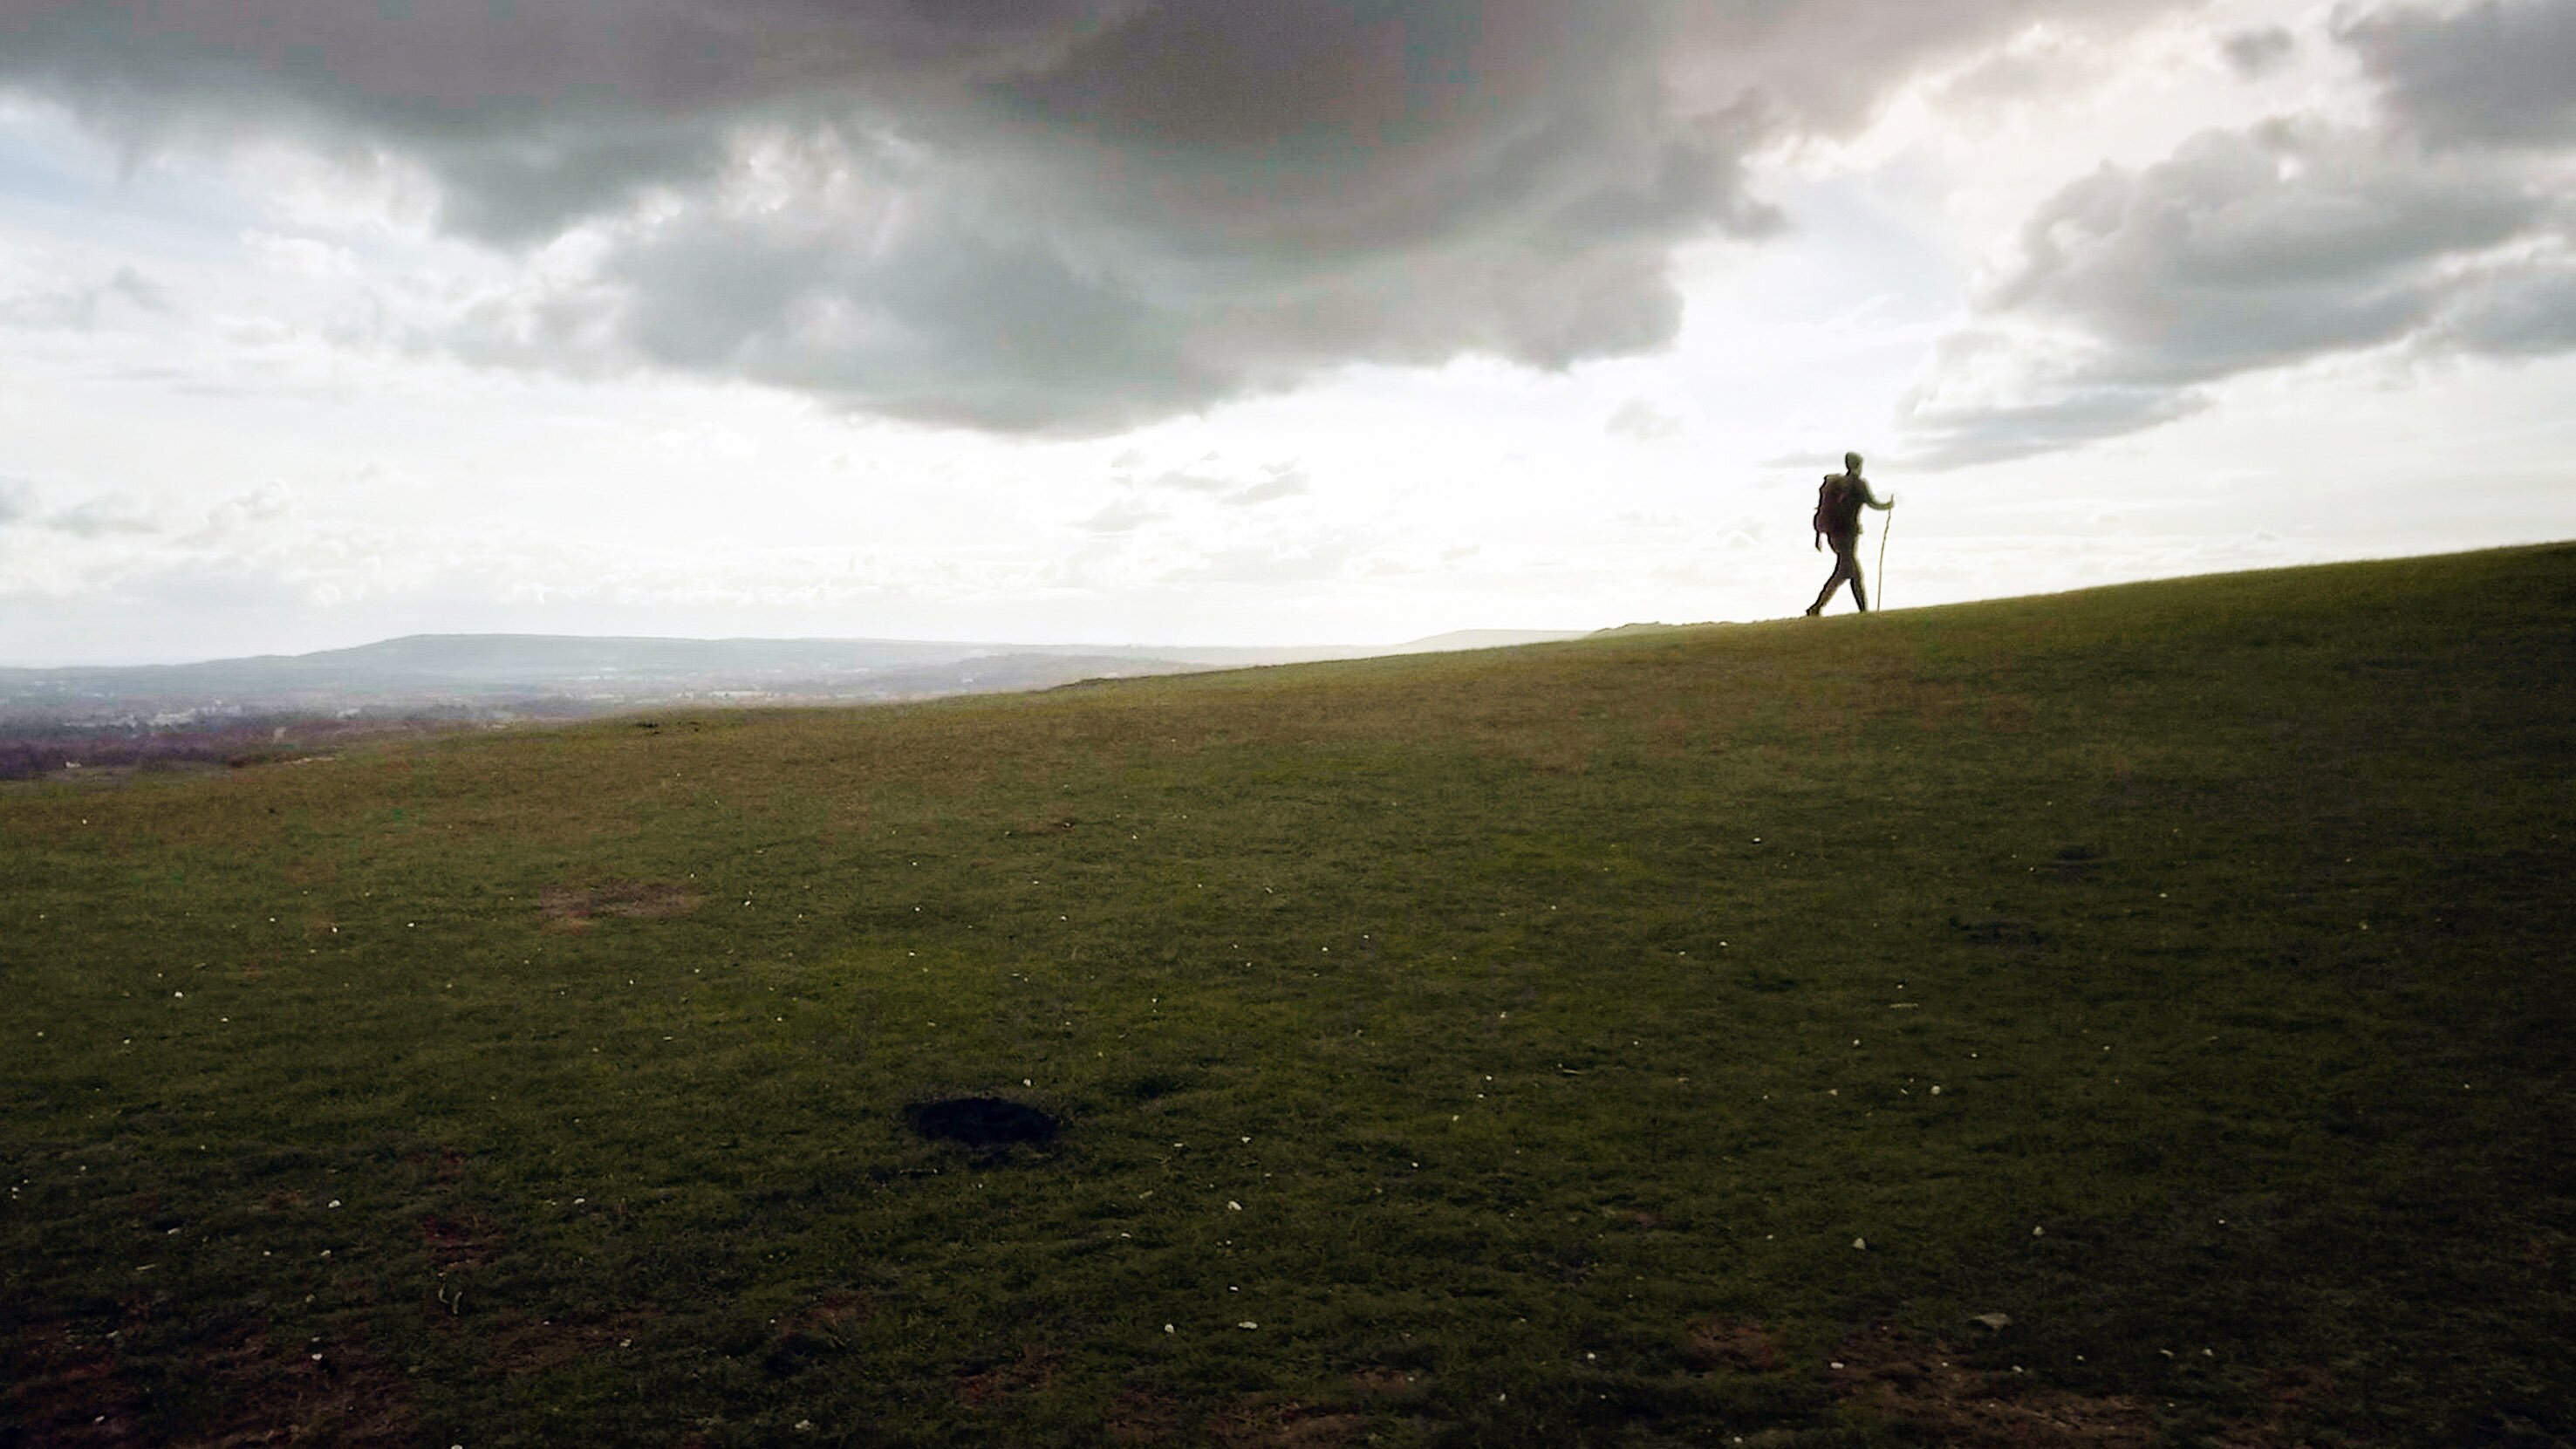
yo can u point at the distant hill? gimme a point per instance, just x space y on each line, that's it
488 675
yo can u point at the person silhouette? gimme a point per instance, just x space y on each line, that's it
1837 521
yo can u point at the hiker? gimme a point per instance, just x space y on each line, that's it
1837 521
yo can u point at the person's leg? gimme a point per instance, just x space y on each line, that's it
1850 551
1842 562
1846 568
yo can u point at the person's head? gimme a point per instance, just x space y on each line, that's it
1851 463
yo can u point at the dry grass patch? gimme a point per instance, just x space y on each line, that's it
574 908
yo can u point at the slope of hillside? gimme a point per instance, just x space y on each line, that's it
2079 1020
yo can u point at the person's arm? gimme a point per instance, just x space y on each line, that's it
1871 499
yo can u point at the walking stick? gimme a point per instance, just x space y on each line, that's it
1884 530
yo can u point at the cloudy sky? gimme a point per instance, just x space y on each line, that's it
1248 321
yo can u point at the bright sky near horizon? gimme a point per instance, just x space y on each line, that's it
1248 321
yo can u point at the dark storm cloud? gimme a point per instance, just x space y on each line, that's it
1037 215
2500 72
1204 202
532 114
2441 227
2527 311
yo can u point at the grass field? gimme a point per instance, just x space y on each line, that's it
2140 1017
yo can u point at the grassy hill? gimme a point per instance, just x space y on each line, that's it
2127 1017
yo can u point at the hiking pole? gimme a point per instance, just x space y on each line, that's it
1884 530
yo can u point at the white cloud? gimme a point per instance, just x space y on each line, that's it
1643 422
2133 290
2259 53
99 517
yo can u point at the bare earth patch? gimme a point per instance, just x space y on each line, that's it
1924 1384
1033 1372
1263 1422
334 1393
521 1347
812 1333
1391 1383
573 908
1735 1344
461 1242
66 1390
1141 1416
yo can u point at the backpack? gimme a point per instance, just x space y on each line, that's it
1838 506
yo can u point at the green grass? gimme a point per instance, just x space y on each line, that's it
2179 969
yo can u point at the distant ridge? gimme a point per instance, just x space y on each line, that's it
504 675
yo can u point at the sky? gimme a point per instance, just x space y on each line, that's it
1248 321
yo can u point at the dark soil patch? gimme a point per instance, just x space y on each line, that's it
2000 932
336 1392
2075 862
65 1390
1141 1416
1736 1345
810 1335
1926 1385
842 1305
572 908
520 1347
463 1241
1388 1382
1033 1372
987 1124
1261 1422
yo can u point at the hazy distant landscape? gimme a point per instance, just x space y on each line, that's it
280 705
